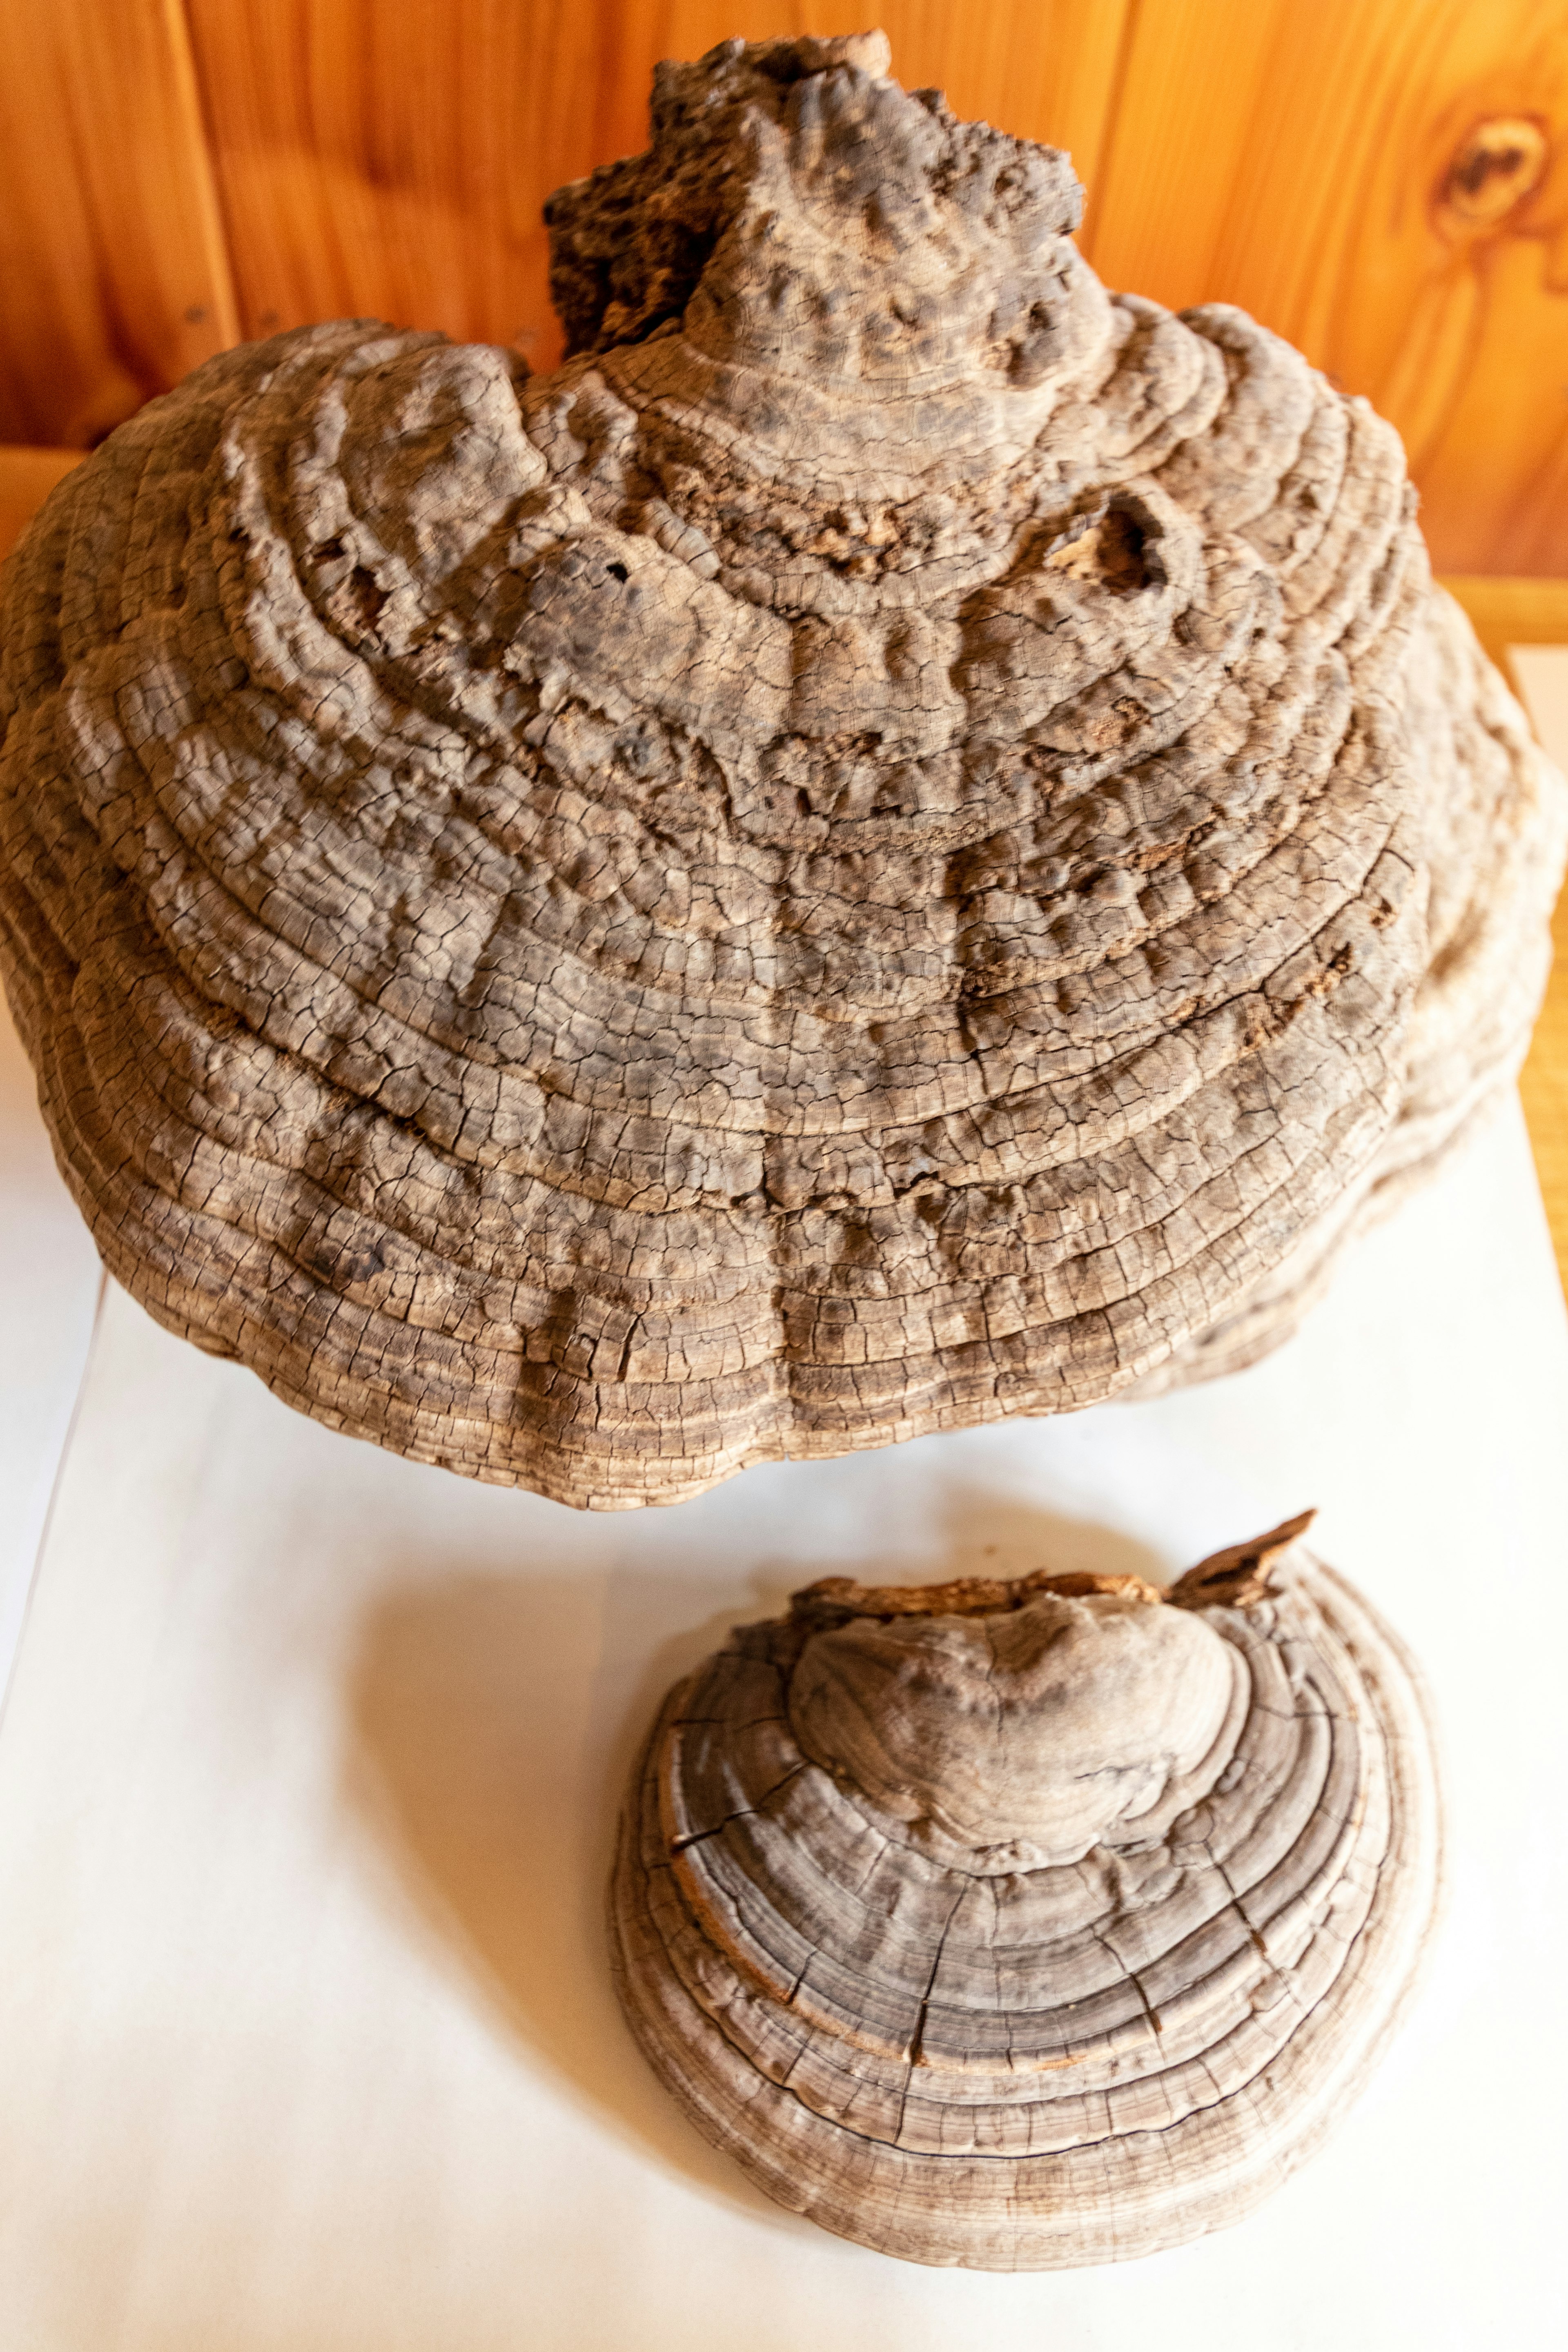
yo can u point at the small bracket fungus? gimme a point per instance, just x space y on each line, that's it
1021 1925
904 839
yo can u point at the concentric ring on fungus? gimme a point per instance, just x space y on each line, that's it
903 840
1020 1925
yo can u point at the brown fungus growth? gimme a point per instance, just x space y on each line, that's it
1052 1923
903 840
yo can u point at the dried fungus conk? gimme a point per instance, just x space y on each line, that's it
903 840
1023 1925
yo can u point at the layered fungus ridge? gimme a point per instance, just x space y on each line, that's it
966 2048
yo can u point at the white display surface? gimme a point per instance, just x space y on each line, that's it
308 1783
49 1286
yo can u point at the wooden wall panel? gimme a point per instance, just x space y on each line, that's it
1385 182
1191 94
114 279
389 158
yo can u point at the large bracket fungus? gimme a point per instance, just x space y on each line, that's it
1021 1925
903 840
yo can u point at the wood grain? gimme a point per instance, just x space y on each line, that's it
113 265
1386 186
1191 95
1382 185
390 158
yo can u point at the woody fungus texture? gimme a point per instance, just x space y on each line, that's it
904 839
1024 1925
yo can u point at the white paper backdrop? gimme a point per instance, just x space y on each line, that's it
308 1781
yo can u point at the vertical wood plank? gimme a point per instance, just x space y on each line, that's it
1388 185
114 279
1344 171
1191 95
390 158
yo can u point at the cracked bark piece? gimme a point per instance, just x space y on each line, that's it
1051 1923
903 840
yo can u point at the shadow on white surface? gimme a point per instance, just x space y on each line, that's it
307 1788
455 1767
50 1289
466 1768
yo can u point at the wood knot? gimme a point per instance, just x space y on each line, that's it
1499 162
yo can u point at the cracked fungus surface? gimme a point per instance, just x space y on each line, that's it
1051 1935
904 839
